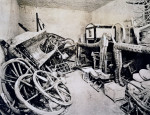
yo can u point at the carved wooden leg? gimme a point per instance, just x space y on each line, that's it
116 56
118 59
101 58
105 59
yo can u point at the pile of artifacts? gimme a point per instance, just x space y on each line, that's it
128 67
101 70
32 79
138 94
36 63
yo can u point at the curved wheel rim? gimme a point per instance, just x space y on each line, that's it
31 103
56 91
143 102
12 69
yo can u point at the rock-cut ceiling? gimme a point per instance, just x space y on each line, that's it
84 5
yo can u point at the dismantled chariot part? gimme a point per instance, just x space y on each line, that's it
63 68
16 68
11 71
52 87
39 47
142 100
64 45
137 96
30 49
130 107
33 99
38 57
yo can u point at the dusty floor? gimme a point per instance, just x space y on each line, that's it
87 101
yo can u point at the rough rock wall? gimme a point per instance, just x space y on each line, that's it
66 23
113 12
9 16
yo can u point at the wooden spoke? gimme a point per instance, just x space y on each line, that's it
12 70
13 103
15 69
48 68
42 78
20 69
35 100
60 95
26 83
50 106
28 71
49 88
12 77
4 80
56 91
25 92
38 93
34 96
63 91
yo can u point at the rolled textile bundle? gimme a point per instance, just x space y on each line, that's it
145 74
146 84
137 77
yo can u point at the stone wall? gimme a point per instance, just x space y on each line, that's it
9 16
113 12
66 23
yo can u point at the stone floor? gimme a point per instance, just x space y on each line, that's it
87 101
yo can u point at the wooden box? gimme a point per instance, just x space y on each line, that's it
114 91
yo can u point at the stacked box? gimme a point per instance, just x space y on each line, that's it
114 91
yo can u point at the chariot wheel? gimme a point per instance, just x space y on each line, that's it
11 71
30 96
52 87
142 99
